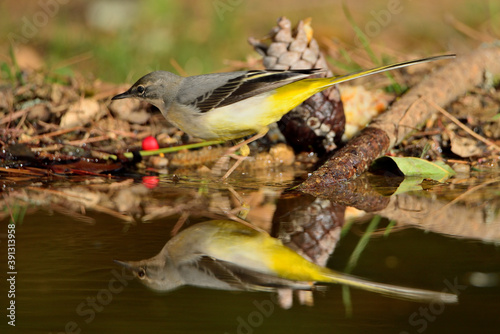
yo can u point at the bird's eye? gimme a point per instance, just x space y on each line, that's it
141 90
141 273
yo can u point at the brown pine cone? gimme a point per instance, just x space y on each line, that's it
317 124
310 226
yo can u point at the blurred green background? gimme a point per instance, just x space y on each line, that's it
120 40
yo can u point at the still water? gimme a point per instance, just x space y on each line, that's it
67 237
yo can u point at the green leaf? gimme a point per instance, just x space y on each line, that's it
365 42
409 183
415 167
4 67
166 150
353 261
389 227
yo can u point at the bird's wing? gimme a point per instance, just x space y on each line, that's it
209 91
214 269
240 278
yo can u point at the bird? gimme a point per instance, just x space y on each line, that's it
229 255
233 105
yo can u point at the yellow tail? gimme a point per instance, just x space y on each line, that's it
394 291
363 73
291 95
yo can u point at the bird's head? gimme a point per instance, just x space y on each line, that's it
157 273
158 88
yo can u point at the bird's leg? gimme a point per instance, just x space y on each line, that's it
180 222
243 207
239 158
256 136
219 165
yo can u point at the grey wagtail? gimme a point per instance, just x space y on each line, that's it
225 106
227 255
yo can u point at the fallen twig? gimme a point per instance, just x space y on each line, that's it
13 116
464 195
464 127
52 134
87 141
390 128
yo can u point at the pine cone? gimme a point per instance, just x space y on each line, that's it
317 124
312 229
310 226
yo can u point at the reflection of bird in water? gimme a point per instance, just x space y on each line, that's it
228 255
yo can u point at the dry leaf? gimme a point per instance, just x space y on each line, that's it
130 110
465 147
81 113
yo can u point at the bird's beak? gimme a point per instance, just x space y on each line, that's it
128 265
125 95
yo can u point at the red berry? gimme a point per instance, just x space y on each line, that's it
150 143
150 181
